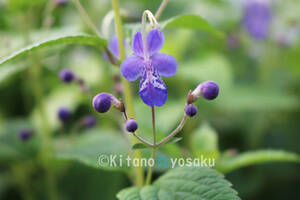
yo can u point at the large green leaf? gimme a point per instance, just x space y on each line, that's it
230 163
193 22
188 183
90 146
71 39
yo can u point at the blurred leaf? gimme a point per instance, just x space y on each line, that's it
66 96
229 163
72 39
11 147
90 146
139 146
204 142
193 22
254 98
7 71
186 183
212 66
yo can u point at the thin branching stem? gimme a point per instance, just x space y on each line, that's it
127 89
86 17
177 129
149 175
161 8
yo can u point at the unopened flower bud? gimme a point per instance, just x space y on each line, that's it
190 110
25 134
66 75
64 114
208 89
61 2
131 125
102 103
89 121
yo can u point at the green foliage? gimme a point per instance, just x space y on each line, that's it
193 22
72 39
204 141
229 163
184 183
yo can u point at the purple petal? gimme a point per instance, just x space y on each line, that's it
137 44
155 40
165 64
257 19
113 47
153 90
132 67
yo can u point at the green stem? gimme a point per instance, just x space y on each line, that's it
127 89
149 175
86 17
160 9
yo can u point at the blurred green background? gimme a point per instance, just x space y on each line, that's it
258 105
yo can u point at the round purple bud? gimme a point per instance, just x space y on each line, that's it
66 75
89 121
131 125
190 110
102 102
25 134
209 90
62 2
64 114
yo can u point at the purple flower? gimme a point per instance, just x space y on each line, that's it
257 18
190 110
25 134
113 47
64 114
89 121
149 64
209 90
66 75
131 125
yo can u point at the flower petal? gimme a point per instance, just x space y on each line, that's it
155 40
113 47
153 90
137 44
165 64
132 67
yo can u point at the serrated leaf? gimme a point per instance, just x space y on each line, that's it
188 183
71 39
230 163
193 22
139 146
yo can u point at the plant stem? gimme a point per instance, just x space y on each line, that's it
127 89
86 17
149 175
160 9
178 128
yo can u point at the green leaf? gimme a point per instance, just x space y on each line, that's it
90 145
193 22
204 141
71 39
230 163
139 146
188 183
